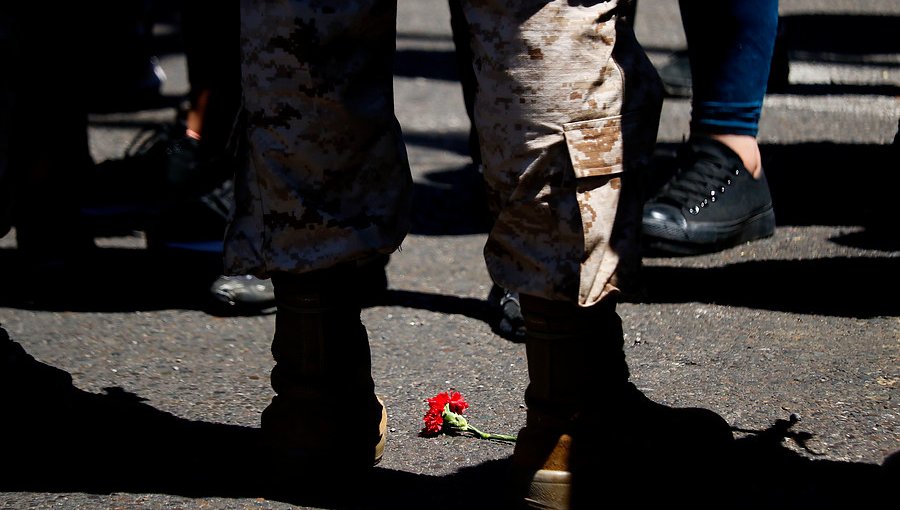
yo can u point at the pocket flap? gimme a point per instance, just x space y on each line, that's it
595 146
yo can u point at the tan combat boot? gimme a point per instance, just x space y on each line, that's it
589 431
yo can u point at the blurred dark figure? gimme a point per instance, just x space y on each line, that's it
119 59
99 58
83 58
44 133
175 180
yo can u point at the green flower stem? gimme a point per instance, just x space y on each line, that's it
460 424
498 437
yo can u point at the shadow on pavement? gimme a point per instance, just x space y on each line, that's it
58 438
123 280
860 34
473 308
112 280
834 184
450 202
836 286
135 282
866 39
431 64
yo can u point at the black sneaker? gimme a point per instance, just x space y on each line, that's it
712 203
138 185
507 321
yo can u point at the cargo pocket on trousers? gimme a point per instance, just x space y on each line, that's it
597 152
596 146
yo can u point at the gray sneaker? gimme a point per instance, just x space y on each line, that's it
244 294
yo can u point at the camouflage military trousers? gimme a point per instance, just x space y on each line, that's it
567 108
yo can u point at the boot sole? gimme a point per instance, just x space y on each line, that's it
382 429
344 457
549 489
659 239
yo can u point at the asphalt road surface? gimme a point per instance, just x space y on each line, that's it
793 340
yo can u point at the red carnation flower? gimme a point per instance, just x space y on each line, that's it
455 399
445 415
433 423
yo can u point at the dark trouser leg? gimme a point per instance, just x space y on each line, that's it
325 405
730 45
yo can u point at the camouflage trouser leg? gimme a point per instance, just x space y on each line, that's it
327 179
567 107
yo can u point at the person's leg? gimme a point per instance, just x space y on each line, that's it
48 138
730 44
201 153
198 154
562 142
175 182
193 160
463 51
212 51
506 318
720 197
325 185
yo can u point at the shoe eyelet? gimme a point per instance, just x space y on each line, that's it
727 183
737 171
722 190
703 203
694 210
712 198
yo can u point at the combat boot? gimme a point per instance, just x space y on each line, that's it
325 413
589 431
